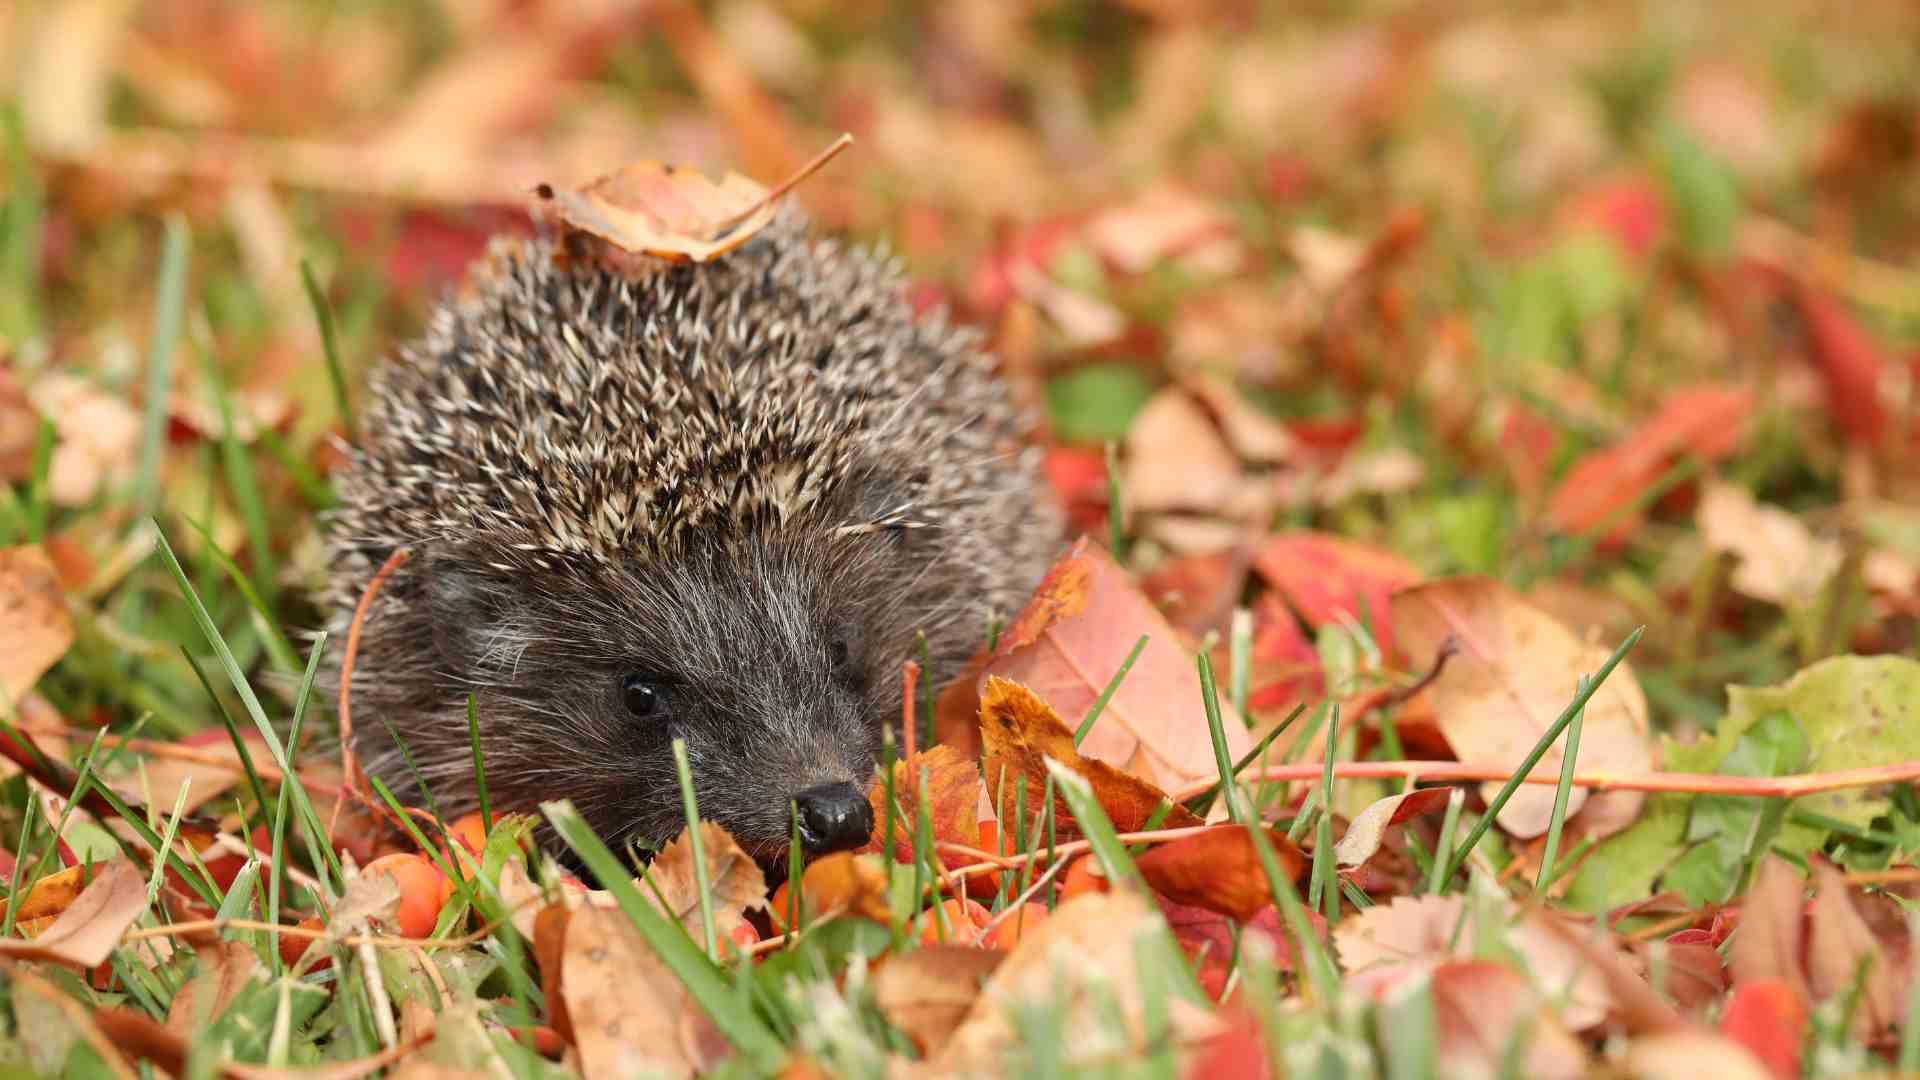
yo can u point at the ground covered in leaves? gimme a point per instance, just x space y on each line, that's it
1492 430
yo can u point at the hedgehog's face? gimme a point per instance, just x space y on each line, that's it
777 664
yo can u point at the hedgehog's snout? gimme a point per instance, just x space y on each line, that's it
833 817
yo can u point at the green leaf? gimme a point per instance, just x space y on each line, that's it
1728 831
1097 402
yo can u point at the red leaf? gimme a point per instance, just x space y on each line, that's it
1328 579
1239 1052
1629 210
1850 361
1702 420
1766 1017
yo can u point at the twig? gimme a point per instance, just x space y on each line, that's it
349 764
1694 783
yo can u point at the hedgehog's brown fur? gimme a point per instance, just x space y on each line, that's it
754 480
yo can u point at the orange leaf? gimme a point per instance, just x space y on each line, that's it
1021 732
35 629
953 801
734 880
855 884
1070 640
1328 579
1218 870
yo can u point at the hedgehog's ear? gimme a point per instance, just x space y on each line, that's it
467 599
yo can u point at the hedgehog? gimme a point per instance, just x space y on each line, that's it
716 502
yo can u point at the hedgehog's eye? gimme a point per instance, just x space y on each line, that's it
644 697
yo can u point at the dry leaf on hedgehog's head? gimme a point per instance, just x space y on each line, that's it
658 209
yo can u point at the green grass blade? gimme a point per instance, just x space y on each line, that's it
1559 819
330 347
1112 687
684 769
169 303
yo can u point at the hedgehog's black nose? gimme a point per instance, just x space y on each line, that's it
833 817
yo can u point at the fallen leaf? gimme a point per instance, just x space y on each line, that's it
98 437
1328 579
222 970
1850 362
734 880
1070 640
625 1006
953 801
1601 487
1177 460
1839 945
654 208
925 993
86 933
50 895
1516 668
1021 733
35 628
1481 1010
1219 870
848 883
1780 560
1690 1055
1084 961
1390 942
1369 827
1769 1018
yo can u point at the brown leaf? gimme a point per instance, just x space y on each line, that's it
1839 943
87 932
734 880
624 1004
50 895
1369 827
225 968
926 992
549 945
1515 670
1770 940
1177 460
1780 560
39 1004
1219 870
654 208
1020 733
1481 1009
1070 640
35 629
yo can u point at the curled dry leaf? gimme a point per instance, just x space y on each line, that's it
654 208
1515 669
35 628
1084 962
87 931
953 801
1219 870
925 993
1069 642
1369 827
734 880
1780 560
1021 733
628 1012
1840 944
